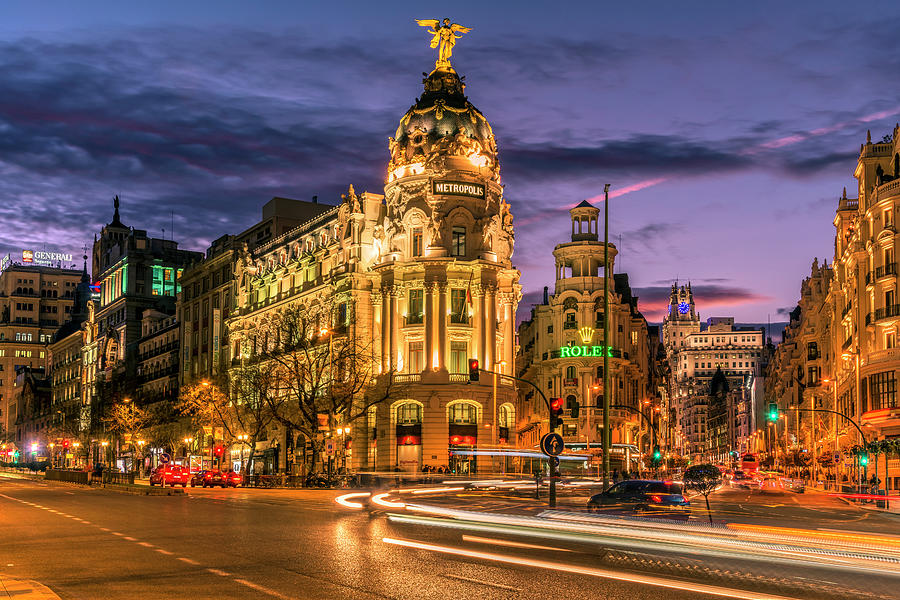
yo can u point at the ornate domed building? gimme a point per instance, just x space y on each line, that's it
423 274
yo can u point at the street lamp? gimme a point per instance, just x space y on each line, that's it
105 445
243 439
188 441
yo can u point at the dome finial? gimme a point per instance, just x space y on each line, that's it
443 37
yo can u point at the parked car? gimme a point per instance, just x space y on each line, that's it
208 478
172 475
643 496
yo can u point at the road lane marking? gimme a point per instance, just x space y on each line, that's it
497 542
129 538
219 573
264 590
106 529
117 533
145 544
189 561
166 552
488 583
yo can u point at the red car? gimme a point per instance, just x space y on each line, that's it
233 478
173 474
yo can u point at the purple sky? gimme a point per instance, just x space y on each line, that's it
735 129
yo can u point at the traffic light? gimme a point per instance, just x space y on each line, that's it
219 450
556 409
863 459
473 369
657 455
772 413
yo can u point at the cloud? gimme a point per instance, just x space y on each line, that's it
653 300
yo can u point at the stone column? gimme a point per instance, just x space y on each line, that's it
429 325
385 331
509 336
482 328
395 330
442 325
491 327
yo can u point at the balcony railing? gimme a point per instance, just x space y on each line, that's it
571 382
885 270
887 312
414 319
570 325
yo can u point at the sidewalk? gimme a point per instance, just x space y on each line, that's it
24 589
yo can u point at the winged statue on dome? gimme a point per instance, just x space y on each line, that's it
443 38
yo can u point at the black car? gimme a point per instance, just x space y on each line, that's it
643 496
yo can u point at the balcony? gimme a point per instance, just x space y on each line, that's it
570 382
886 270
414 319
887 312
457 319
846 309
570 325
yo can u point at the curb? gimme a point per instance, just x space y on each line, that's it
140 490
25 589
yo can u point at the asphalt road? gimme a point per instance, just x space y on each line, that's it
92 543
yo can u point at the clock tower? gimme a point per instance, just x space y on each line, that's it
681 320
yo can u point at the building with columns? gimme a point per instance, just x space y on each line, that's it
562 347
423 273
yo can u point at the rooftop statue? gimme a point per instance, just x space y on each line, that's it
443 38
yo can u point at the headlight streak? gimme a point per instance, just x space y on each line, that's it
380 500
438 490
345 499
592 571
685 541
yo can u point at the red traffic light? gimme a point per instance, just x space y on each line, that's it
556 404
65 443
473 369
219 450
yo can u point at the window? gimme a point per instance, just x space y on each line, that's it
416 249
570 372
458 312
890 339
812 351
883 390
888 219
506 416
415 313
464 414
416 362
409 414
458 241
342 314
458 357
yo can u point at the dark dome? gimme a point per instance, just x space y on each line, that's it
443 122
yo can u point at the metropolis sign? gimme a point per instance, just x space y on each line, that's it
585 351
457 188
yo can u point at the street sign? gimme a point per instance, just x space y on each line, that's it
164 458
329 447
552 444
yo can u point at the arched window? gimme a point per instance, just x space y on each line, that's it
464 413
409 414
570 372
506 416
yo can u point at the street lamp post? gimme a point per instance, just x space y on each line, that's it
606 390
243 439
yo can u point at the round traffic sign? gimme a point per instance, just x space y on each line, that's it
552 444
165 458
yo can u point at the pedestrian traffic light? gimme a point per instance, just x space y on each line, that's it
556 409
473 369
772 414
863 459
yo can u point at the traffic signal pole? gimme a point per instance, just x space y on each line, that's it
473 364
606 390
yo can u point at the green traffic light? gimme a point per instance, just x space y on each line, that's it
863 459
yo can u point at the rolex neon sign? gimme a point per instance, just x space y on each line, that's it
585 351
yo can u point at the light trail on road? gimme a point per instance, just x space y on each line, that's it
680 585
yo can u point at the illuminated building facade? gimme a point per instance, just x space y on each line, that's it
34 302
562 348
864 295
208 288
424 272
706 417
135 273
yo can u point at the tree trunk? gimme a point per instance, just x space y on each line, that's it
708 511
